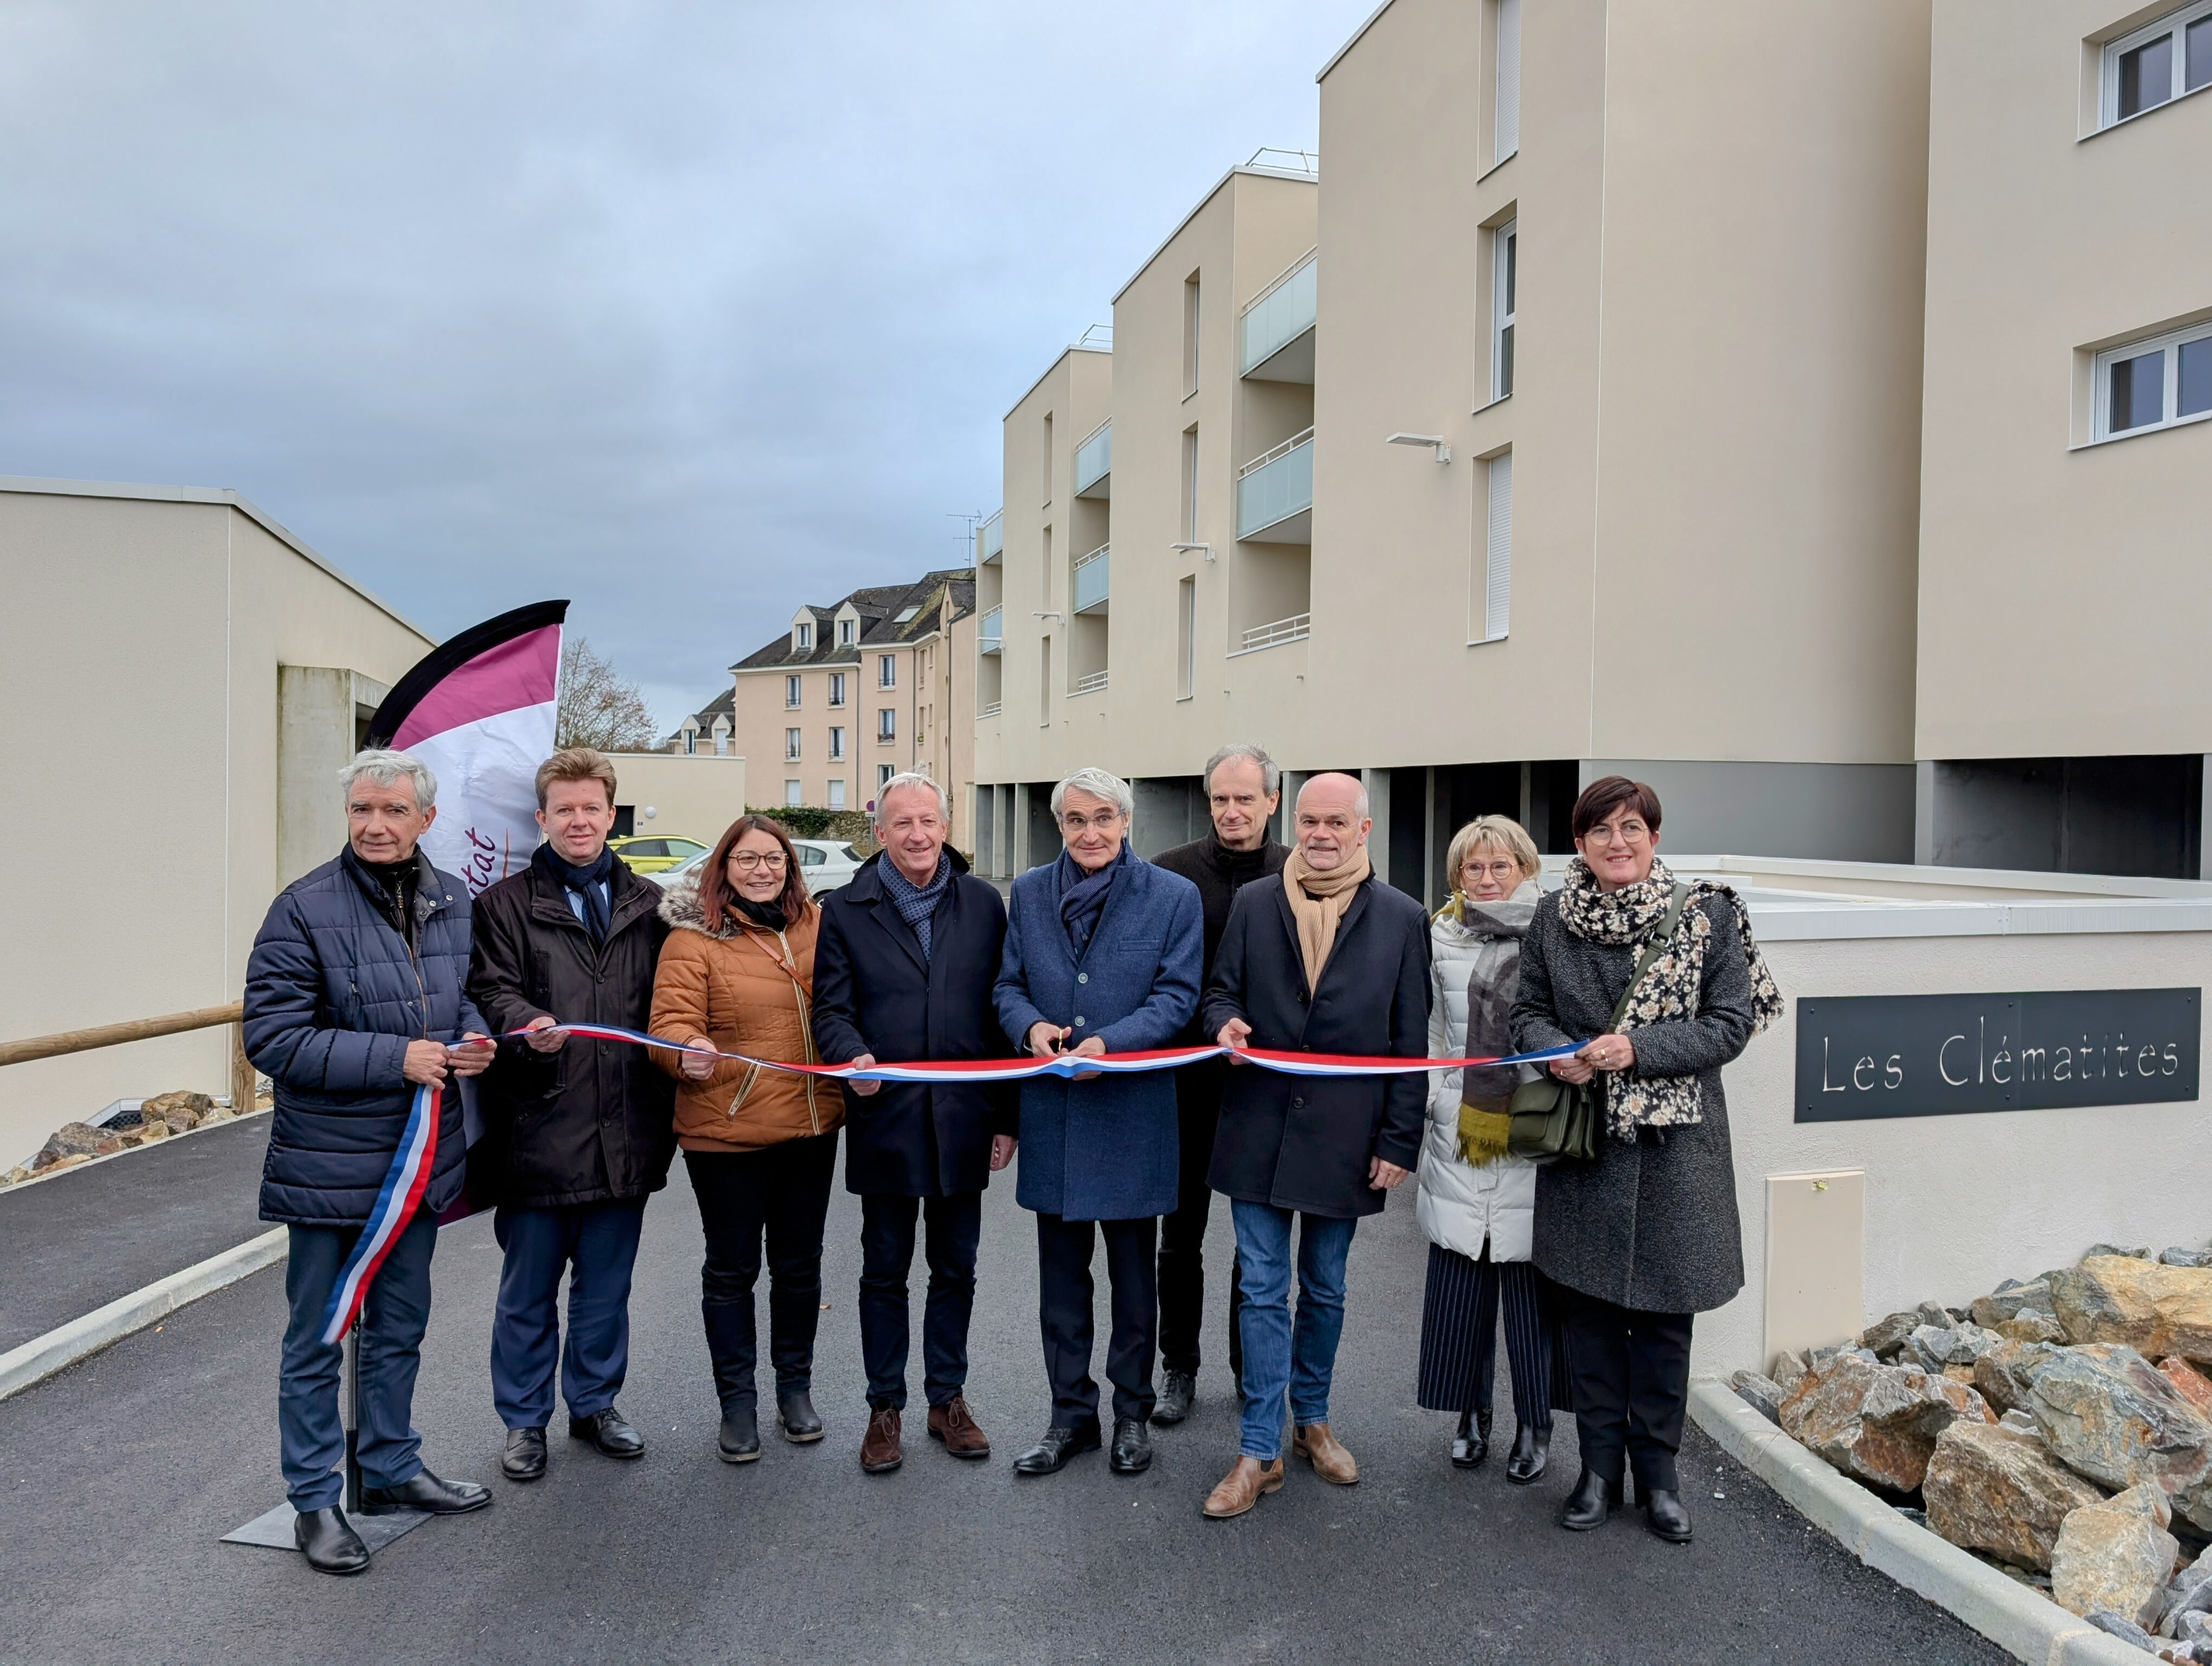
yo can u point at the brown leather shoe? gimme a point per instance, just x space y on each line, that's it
954 1425
1330 1461
879 1447
1240 1489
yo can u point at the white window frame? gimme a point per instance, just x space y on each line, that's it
1505 304
847 632
791 692
887 670
802 638
2175 23
1497 592
794 793
836 742
887 723
837 688
1187 635
837 793
2171 344
690 742
793 739
886 771
1505 38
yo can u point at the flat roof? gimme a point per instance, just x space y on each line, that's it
221 496
1255 170
1072 347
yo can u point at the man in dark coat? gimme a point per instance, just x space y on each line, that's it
1103 956
1243 788
354 998
578 1133
909 950
1320 959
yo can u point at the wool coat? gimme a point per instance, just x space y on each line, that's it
747 989
333 995
593 1121
1104 1149
1303 1142
875 992
1651 1224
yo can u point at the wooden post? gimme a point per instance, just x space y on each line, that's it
242 1073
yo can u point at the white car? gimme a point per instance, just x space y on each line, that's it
827 863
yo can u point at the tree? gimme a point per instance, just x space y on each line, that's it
599 706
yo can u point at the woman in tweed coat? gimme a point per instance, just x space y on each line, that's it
1646 1235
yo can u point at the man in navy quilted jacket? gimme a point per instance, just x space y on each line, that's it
355 997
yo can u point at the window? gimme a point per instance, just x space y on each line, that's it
691 740
1497 572
646 848
887 670
1504 298
1044 579
791 744
793 797
1044 684
1048 458
1190 485
2155 383
2157 65
1505 36
846 628
1190 323
836 742
884 773
887 723
837 794
1186 639
802 638
791 692
837 688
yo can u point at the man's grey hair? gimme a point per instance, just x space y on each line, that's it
911 781
1100 784
1271 778
385 769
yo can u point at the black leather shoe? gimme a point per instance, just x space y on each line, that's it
1664 1515
524 1456
1177 1390
1132 1447
1050 1455
795 1411
609 1430
1591 1503
738 1439
1470 1445
1532 1450
425 1491
327 1539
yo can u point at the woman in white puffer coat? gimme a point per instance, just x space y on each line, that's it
1476 1204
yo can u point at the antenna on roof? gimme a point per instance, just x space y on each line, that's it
969 521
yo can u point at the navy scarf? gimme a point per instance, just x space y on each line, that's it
593 885
916 905
1083 895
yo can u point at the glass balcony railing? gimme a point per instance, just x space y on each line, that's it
995 539
1094 462
1093 579
991 635
1282 314
1272 490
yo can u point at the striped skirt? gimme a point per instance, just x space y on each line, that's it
1459 1337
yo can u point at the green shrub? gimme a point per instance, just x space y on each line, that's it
805 822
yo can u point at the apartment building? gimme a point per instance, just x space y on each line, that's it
2064 712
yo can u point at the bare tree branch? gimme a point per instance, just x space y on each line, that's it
599 706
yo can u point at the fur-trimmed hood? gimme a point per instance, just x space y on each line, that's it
681 908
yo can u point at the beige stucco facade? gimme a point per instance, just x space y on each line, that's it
185 610
675 795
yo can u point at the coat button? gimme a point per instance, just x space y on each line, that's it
1078 1020
1297 1105
1082 977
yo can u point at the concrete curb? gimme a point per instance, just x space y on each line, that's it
2025 1624
64 1345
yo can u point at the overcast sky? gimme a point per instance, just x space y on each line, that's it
692 313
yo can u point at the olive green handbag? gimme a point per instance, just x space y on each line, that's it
1552 1119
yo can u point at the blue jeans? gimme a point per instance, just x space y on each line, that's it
1280 1360
596 1244
393 1316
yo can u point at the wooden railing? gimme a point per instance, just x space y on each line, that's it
133 1030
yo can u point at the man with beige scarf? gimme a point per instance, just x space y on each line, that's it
1319 958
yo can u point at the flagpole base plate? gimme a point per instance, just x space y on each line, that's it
272 1530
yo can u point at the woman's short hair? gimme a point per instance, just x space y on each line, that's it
1606 794
383 768
715 892
1099 784
1499 833
577 763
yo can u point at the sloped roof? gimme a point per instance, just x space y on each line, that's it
878 607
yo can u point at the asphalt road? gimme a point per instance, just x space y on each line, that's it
117 1479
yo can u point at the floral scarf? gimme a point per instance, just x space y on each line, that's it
1669 990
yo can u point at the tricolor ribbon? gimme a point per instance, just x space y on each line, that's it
404 1184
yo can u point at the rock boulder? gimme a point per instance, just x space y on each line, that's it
2002 1375
2006 1301
1877 1423
2114 1557
2029 1325
1885 1336
1993 1488
2154 1310
2191 1383
1762 1394
2107 1413
180 1110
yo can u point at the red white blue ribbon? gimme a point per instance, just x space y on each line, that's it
403 1185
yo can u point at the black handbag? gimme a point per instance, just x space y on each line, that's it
1554 1120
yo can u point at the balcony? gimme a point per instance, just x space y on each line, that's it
1092 579
991 632
1094 463
990 711
1274 494
1275 337
994 540
1093 683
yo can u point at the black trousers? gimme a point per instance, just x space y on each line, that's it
1459 1336
1182 1234
1631 1375
1064 1295
779 1195
955 1226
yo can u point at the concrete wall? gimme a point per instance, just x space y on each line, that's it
322 715
1835 812
695 797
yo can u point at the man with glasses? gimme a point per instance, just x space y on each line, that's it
1104 954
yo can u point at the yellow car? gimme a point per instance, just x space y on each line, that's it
652 853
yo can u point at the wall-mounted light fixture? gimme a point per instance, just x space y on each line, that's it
1185 549
1062 618
1443 451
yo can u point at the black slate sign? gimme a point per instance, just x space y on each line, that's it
1866 1056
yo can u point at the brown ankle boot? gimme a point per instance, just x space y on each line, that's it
1240 1489
879 1448
1330 1461
952 1423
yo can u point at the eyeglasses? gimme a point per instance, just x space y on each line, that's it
746 861
1105 821
1629 832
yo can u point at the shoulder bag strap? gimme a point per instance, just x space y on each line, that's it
1653 950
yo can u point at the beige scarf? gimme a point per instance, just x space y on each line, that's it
1317 904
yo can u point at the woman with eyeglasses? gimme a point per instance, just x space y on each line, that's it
736 976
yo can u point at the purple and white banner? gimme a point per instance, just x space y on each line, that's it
479 710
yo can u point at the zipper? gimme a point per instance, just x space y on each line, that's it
806 1033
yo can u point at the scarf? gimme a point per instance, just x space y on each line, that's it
1670 991
593 885
393 884
1318 902
916 905
1083 895
1493 978
769 914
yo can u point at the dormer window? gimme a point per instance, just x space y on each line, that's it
847 632
802 637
